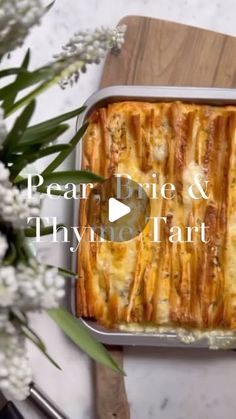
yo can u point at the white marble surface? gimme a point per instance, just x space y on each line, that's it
163 383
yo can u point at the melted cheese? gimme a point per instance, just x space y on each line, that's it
176 286
192 173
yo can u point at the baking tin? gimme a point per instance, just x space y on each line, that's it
211 96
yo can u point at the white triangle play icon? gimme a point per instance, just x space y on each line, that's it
116 210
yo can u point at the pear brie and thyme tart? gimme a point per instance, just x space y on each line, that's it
184 284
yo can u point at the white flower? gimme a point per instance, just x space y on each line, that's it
30 287
3 246
39 286
8 286
3 129
15 208
15 372
87 48
16 19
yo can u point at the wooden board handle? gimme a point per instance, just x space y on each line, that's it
110 396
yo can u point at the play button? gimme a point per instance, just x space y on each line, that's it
117 209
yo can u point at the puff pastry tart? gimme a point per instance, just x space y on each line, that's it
183 284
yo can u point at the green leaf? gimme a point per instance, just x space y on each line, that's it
26 61
51 79
34 338
10 72
44 231
22 160
42 189
10 256
45 137
51 123
50 5
80 176
74 176
43 152
9 100
66 272
74 329
24 252
47 151
18 179
32 335
65 153
27 79
17 131
30 96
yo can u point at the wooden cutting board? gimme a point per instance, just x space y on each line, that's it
158 52
165 53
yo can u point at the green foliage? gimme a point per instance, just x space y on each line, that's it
32 335
26 144
75 330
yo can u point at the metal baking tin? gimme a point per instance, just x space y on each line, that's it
211 96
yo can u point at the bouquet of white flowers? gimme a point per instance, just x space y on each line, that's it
25 284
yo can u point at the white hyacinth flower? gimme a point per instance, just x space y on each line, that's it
87 48
30 287
39 286
3 246
15 208
8 286
16 19
15 372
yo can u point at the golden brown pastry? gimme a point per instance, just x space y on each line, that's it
190 285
